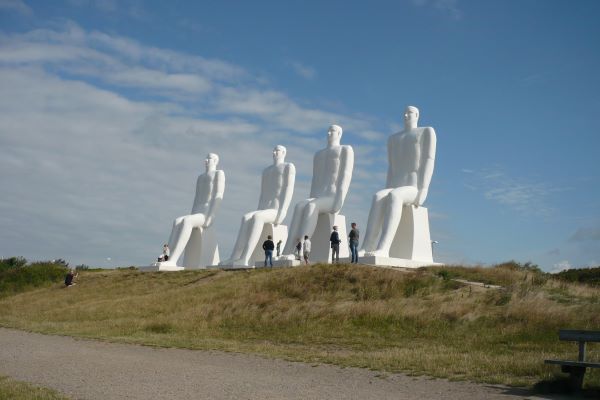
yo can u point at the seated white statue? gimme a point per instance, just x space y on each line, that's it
411 154
277 188
332 173
209 194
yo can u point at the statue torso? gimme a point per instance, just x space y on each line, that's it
204 192
326 171
405 158
273 180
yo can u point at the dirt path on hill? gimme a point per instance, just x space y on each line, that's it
87 369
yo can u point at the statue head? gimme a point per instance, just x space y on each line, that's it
411 117
334 134
211 162
279 154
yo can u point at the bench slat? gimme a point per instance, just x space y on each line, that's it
586 364
579 335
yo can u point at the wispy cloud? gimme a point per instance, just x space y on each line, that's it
17 6
586 234
561 266
94 126
447 7
520 194
303 70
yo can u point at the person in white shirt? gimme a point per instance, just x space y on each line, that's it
306 248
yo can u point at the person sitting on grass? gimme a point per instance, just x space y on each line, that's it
71 275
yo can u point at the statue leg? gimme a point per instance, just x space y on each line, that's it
175 232
294 232
188 223
311 214
375 220
395 201
255 227
240 241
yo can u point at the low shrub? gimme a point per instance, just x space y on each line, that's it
17 276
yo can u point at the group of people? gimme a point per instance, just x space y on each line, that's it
335 241
303 247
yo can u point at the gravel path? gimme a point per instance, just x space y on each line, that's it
87 369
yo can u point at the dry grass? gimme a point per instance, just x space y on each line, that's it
376 318
14 390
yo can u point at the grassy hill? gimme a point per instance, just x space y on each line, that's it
421 321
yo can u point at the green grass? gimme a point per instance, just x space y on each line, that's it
15 390
416 322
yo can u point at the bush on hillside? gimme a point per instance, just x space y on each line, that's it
590 276
16 275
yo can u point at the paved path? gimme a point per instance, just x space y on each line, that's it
87 369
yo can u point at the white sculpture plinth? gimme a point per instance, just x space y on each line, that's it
202 249
321 247
160 266
411 247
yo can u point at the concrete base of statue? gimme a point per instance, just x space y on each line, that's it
411 247
321 247
202 249
160 266
282 262
391 262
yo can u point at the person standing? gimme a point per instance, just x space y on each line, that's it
353 242
268 246
278 248
166 252
335 245
306 245
298 249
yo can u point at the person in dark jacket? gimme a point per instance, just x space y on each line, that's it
71 275
268 247
353 242
335 245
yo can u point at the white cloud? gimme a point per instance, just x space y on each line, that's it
303 70
561 266
17 6
94 172
519 194
447 7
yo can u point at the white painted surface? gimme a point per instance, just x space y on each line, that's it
396 227
188 230
277 188
332 173
321 247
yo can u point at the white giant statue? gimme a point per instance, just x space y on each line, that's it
277 188
191 228
411 155
332 173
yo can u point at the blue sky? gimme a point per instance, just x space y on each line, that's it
109 108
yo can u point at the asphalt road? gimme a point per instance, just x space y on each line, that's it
88 369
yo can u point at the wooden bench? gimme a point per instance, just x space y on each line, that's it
576 369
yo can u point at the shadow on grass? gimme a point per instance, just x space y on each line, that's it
560 387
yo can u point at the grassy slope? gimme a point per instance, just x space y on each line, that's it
14 390
347 315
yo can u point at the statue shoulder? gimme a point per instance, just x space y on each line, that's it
220 175
290 168
347 150
428 131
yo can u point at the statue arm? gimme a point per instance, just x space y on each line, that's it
313 183
263 185
344 177
427 163
289 177
388 179
216 198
